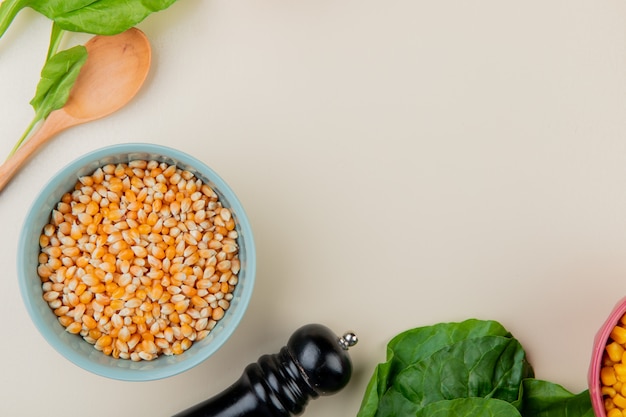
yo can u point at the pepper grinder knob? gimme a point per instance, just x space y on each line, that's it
348 340
322 357
314 362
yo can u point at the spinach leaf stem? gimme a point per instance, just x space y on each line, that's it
56 36
24 136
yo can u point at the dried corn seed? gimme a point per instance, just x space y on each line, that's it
73 327
218 313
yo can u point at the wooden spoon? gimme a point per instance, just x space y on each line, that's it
115 69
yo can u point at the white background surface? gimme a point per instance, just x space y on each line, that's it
402 162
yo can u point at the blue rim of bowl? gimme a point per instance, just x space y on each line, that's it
136 371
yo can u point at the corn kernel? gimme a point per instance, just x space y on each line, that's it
104 340
618 334
74 327
620 369
619 401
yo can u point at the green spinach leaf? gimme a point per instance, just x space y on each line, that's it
414 345
469 407
417 344
102 17
540 398
489 367
473 368
57 79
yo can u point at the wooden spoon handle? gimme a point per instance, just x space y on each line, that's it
56 122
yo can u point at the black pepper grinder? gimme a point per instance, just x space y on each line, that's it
315 362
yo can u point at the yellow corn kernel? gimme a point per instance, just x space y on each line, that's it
72 299
95 334
114 332
607 376
74 327
174 318
139 251
170 252
618 334
97 289
80 289
155 292
147 336
90 280
608 391
620 369
217 313
124 334
619 401
117 304
71 251
89 322
198 301
181 306
92 208
76 232
130 195
609 404
141 294
85 219
177 349
104 340
165 298
110 287
65 320
185 343
186 330
144 229
98 252
615 412
152 218
44 272
108 267
86 297
126 254
118 293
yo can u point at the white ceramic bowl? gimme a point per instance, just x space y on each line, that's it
73 347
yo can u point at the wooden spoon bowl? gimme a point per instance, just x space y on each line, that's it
115 70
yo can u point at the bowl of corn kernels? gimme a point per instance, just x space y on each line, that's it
136 262
607 371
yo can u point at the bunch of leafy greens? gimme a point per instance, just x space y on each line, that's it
473 368
99 17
